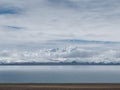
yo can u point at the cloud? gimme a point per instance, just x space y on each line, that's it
13 27
68 54
62 4
43 30
42 20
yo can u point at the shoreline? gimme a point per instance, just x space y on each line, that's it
56 86
52 64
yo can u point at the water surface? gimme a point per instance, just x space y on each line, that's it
60 74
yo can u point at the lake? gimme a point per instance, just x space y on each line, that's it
60 74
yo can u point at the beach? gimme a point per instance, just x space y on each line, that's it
59 86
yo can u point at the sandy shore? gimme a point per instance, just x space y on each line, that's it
59 86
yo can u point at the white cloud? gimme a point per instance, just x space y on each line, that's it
61 19
97 54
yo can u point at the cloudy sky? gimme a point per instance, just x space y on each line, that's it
28 23
24 21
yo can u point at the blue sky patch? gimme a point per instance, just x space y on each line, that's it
9 10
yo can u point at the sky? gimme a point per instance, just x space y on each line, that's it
28 23
23 21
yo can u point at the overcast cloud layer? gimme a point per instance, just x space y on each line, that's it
38 23
39 20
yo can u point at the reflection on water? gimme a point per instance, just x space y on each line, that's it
60 74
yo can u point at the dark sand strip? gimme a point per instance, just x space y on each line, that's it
59 86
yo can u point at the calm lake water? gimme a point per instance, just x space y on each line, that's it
60 74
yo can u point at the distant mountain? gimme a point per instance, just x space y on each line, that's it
59 63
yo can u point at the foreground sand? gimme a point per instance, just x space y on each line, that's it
59 86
